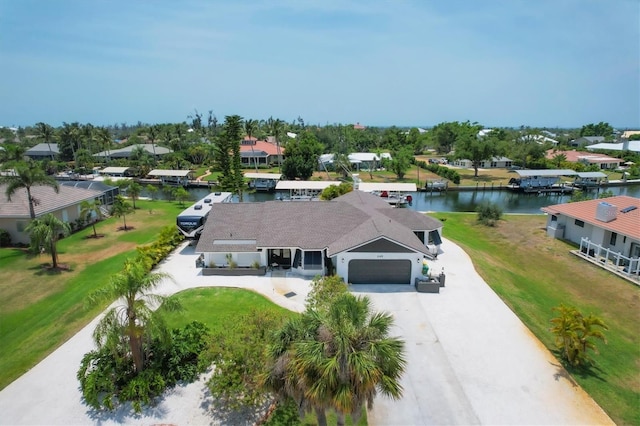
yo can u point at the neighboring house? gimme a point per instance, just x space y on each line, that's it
604 162
587 140
357 160
494 163
65 205
628 133
612 224
540 139
172 177
151 149
357 236
253 151
359 126
43 151
625 145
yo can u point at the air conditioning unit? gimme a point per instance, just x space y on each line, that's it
606 212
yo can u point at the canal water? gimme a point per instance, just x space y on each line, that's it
459 201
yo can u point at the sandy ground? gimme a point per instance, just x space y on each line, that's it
470 361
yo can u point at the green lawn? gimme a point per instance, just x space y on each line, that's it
533 273
40 309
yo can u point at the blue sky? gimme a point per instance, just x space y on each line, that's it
408 63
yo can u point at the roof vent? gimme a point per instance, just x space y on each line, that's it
628 209
198 207
606 212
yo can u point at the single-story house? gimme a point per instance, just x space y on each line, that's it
151 149
43 151
65 205
172 177
588 158
494 163
253 151
357 236
611 224
625 145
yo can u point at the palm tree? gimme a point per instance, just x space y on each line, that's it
45 232
134 322
276 127
337 358
121 208
28 175
250 127
575 333
44 132
133 191
103 137
91 210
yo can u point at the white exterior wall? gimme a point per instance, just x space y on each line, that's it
15 226
341 261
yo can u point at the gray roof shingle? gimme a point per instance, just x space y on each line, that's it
48 200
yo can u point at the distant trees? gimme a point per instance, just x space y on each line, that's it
600 129
400 162
27 175
302 156
45 233
45 133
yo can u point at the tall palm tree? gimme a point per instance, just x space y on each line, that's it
27 175
132 323
45 133
338 358
133 191
276 127
103 139
90 210
45 232
250 127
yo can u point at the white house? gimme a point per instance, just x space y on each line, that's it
494 163
605 228
357 236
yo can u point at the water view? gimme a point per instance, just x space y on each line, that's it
460 201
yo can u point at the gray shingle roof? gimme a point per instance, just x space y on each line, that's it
48 200
42 149
344 223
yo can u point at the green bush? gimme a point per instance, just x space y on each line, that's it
107 378
5 238
489 213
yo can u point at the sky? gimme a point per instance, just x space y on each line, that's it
542 63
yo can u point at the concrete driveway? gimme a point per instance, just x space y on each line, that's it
470 360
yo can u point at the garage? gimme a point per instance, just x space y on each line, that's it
374 271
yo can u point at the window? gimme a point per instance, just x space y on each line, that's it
494 164
312 260
614 237
554 218
579 223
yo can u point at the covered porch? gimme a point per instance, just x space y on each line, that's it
623 266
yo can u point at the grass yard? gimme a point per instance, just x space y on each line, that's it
533 273
41 309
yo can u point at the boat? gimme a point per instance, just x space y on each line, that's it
541 181
436 185
263 182
191 221
396 194
589 180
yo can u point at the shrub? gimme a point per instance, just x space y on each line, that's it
489 213
5 238
575 334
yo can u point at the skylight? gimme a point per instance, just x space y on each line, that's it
628 209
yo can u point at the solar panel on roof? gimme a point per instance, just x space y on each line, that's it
628 209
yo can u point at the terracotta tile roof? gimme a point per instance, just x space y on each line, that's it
268 147
346 222
48 200
575 156
625 223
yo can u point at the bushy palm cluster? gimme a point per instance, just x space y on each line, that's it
575 334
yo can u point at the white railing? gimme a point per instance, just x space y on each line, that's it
628 267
